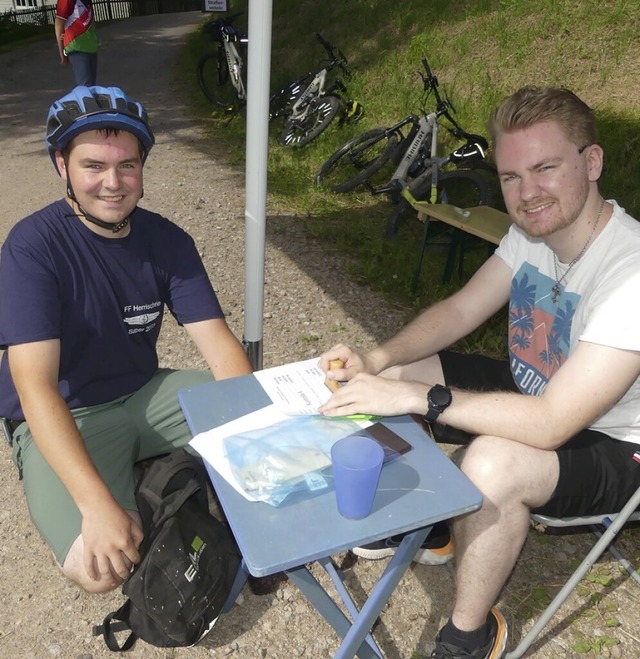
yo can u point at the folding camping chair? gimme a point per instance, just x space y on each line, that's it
612 524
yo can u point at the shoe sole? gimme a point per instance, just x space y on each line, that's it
373 554
423 556
438 556
501 636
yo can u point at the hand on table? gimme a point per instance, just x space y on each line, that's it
375 395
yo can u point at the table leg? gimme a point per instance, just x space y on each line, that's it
238 584
354 634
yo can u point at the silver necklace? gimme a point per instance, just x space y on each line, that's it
555 289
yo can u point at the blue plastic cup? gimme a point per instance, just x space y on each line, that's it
357 462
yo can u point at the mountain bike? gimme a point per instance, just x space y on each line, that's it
306 105
407 166
317 102
221 72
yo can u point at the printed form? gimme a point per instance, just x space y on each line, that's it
296 388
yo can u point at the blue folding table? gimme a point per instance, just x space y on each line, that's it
416 490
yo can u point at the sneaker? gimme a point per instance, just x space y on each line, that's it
492 649
437 549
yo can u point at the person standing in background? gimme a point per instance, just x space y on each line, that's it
77 39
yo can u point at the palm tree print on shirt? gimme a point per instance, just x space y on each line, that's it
539 330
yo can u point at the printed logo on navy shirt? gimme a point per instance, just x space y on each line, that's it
142 319
141 322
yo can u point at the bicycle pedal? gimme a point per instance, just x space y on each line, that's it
387 189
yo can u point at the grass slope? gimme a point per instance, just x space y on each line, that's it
481 51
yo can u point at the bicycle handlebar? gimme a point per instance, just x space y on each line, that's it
443 105
475 143
325 44
336 56
427 68
222 27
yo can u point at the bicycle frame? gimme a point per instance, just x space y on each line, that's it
314 88
427 126
234 63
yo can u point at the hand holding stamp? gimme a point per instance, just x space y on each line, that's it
333 385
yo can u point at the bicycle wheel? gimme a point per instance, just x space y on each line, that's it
462 187
213 76
321 112
281 102
357 161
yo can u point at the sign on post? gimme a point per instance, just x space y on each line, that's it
215 5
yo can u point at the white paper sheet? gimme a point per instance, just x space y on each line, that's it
296 388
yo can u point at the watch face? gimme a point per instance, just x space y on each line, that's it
440 397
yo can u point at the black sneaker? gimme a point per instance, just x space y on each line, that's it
492 649
437 549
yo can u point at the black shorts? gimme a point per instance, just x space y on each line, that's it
598 474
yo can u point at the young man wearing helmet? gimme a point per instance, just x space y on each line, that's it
83 286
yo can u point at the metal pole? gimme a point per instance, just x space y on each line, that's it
258 70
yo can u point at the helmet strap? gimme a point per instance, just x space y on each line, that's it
114 228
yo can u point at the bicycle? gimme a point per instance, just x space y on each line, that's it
407 167
317 103
221 72
307 105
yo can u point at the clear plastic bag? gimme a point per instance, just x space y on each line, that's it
287 458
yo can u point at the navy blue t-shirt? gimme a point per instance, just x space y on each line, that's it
103 298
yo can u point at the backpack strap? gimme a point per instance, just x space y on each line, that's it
168 508
108 629
152 484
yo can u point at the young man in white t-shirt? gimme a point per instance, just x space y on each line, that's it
555 428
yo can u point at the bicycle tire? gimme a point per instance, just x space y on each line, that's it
322 111
357 161
462 187
213 77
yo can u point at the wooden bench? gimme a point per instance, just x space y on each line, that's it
483 222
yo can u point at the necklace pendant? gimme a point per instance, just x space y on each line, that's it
555 292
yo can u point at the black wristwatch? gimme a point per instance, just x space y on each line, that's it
439 398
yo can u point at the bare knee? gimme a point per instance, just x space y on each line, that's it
92 586
73 569
489 459
507 471
97 587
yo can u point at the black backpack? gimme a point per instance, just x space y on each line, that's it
189 560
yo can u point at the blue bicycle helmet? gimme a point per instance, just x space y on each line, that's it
93 108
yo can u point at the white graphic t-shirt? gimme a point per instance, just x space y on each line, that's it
599 303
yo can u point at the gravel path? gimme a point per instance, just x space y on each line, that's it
307 309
